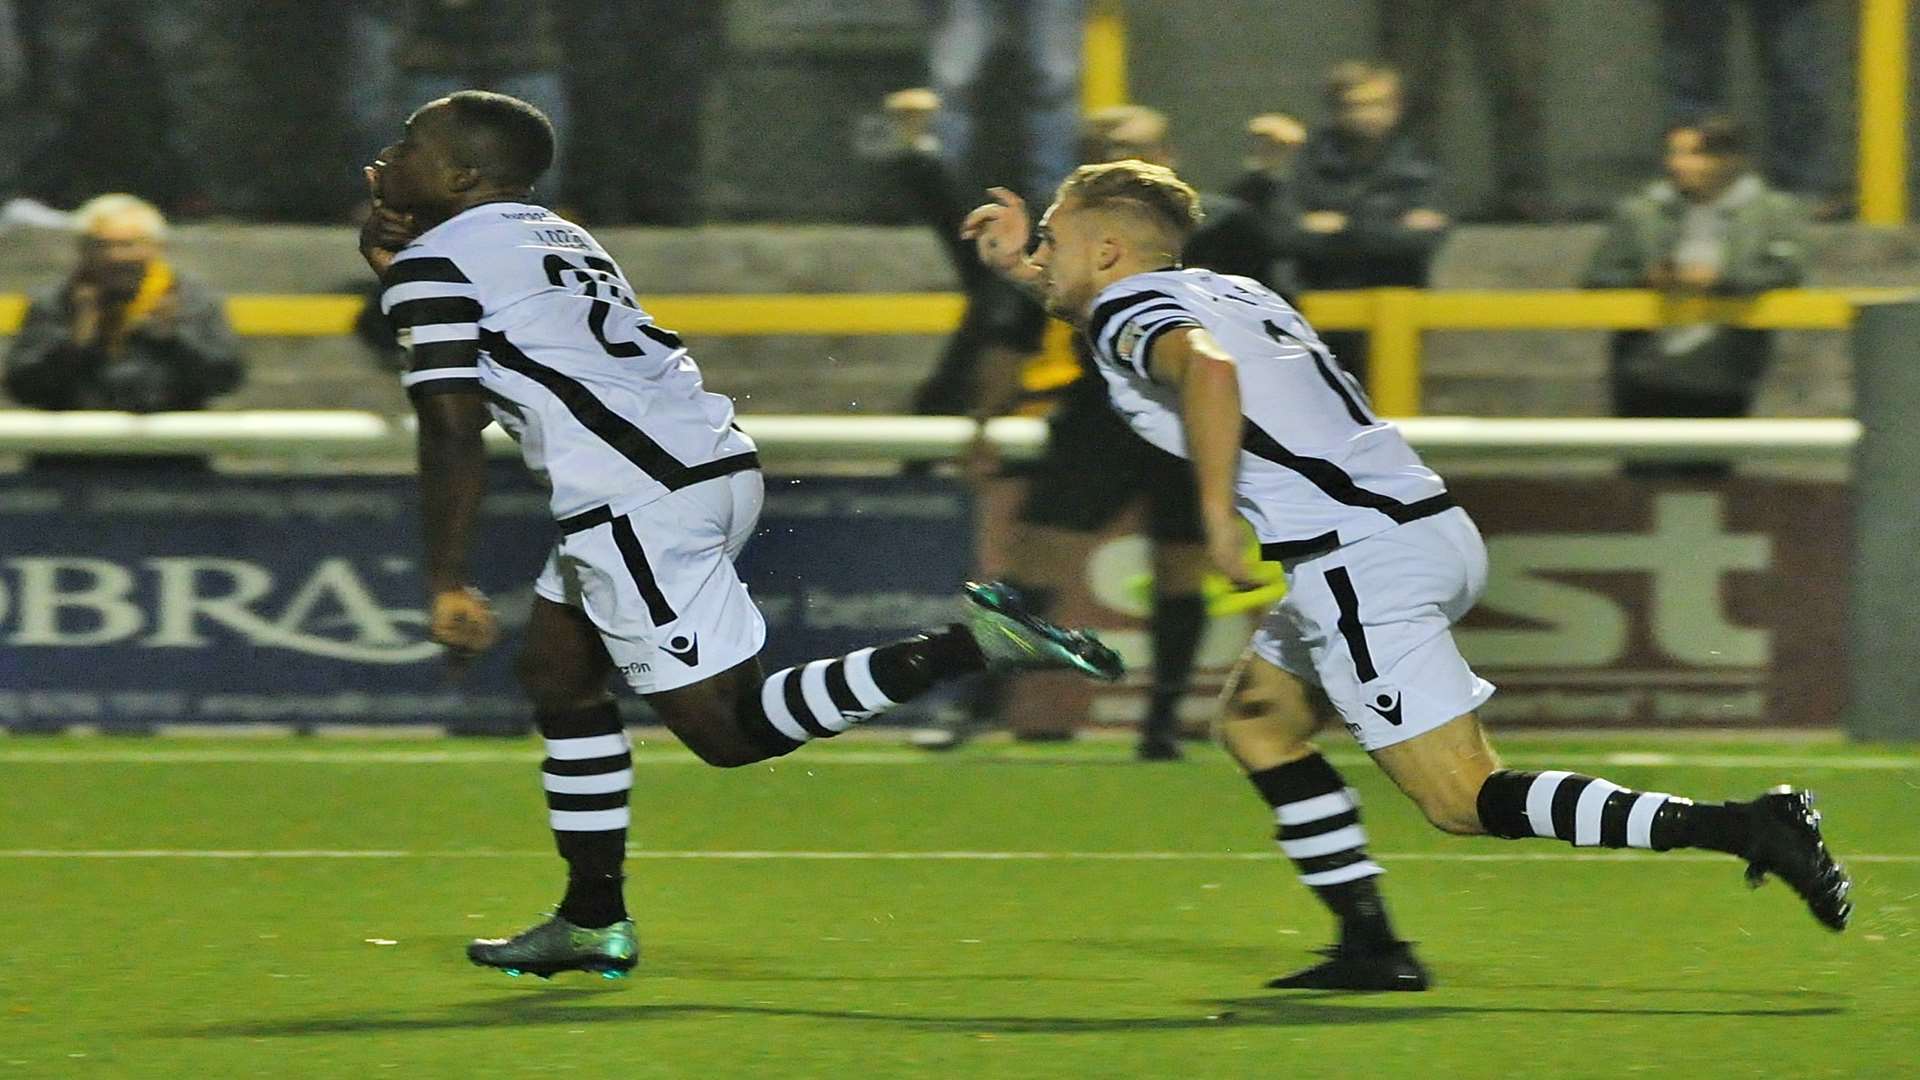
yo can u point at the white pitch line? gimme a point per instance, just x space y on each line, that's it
1614 759
908 856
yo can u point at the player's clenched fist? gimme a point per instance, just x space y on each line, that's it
463 622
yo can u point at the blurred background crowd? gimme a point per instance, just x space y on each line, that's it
672 113
1339 147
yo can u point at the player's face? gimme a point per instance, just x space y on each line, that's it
1065 255
1369 111
411 174
1695 171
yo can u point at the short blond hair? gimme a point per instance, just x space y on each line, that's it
1153 192
117 205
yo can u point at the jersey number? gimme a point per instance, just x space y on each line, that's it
599 273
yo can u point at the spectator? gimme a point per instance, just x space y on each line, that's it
1508 39
125 331
1233 238
1712 226
508 46
1045 37
636 151
1360 211
1001 327
158 125
1693 64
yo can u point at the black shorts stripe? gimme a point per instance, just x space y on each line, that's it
1335 483
1315 828
1097 322
636 559
716 468
435 311
609 800
593 766
1566 799
1342 586
796 698
428 268
608 426
595 517
1281 550
1613 818
841 691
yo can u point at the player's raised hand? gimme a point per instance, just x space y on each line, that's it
386 230
464 622
1000 231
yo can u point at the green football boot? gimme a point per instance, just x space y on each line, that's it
1013 637
557 945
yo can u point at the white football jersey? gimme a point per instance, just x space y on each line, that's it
1317 468
608 409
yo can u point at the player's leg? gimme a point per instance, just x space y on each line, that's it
1455 778
1179 619
680 625
1065 501
1267 722
588 776
1384 608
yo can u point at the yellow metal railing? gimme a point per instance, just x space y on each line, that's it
1883 112
1395 319
1103 57
1881 175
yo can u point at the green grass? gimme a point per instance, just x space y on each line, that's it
793 967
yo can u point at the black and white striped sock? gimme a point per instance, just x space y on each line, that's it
1586 811
823 698
588 776
1318 819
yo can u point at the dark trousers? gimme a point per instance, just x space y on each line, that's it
1509 44
1634 399
1694 36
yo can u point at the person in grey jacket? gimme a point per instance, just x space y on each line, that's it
1711 227
125 332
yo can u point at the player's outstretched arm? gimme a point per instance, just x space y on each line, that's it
1209 384
1001 231
453 479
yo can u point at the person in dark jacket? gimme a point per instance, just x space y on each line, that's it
124 331
1360 209
1712 226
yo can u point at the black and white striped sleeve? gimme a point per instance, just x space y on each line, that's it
436 313
1124 328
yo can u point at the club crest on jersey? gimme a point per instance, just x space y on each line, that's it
1129 337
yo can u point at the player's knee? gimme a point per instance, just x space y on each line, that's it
1450 812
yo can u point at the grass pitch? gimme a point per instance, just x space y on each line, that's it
291 908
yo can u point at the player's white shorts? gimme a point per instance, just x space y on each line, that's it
659 583
1370 624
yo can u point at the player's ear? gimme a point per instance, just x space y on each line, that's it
1108 253
462 179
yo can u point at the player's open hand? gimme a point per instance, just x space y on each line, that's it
1000 231
463 622
386 230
